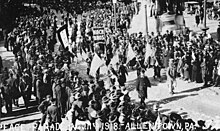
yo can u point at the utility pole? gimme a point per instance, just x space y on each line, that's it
205 28
205 13
114 4
146 18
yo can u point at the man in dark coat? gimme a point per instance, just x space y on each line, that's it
60 94
142 84
43 108
26 87
39 89
6 92
53 113
122 72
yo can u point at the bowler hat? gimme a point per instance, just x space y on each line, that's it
105 99
113 118
201 123
174 117
77 95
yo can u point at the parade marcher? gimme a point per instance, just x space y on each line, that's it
43 108
25 86
171 76
14 84
39 85
6 92
142 84
53 114
122 72
60 95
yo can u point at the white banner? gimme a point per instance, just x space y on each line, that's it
96 63
114 1
131 54
64 38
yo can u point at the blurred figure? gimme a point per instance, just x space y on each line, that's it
141 86
171 76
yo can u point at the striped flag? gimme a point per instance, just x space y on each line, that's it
97 62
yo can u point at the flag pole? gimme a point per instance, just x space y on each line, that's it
146 18
114 3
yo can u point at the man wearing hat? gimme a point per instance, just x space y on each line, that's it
122 72
43 108
171 76
60 95
141 86
99 121
105 102
53 113
85 92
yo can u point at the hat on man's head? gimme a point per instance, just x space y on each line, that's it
174 117
53 100
113 118
105 99
201 123
77 95
92 102
85 82
113 96
93 114
91 82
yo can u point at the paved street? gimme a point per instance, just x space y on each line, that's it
191 100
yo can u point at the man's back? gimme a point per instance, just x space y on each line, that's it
54 114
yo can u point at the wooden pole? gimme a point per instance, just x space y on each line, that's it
115 16
146 18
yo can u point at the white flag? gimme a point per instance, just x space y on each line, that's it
131 54
96 63
115 59
148 52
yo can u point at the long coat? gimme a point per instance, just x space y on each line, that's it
39 89
122 75
142 84
54 114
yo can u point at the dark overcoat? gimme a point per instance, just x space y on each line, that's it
141 86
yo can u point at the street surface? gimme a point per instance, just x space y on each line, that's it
191 100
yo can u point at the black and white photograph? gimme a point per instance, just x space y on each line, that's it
109 65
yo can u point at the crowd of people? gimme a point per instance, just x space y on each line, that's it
48 74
